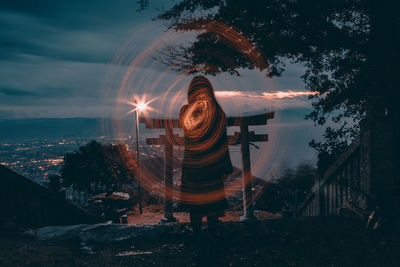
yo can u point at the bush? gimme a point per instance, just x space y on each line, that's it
288 190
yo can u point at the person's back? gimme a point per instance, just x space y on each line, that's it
206 157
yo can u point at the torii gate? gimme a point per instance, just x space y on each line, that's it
244 137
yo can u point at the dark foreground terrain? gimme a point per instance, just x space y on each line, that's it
279 242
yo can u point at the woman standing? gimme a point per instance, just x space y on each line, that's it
206 158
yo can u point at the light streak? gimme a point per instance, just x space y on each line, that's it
287 94
265 95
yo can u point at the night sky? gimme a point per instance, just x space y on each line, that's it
56 59
62 59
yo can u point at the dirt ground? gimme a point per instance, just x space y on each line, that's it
153 214
275 242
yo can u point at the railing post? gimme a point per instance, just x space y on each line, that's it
321 198
330 209
326 199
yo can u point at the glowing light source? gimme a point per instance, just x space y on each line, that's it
141 106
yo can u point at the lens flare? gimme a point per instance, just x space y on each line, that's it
139 104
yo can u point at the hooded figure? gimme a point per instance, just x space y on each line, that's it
206 159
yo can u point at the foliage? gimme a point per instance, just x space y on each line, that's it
96 168
54 182
143 4
287 190
349 49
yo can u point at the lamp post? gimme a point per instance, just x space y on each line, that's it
138 107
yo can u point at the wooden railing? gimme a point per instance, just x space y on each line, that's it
365 177
340 187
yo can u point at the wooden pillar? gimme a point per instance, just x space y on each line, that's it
248 212
168 175
378 155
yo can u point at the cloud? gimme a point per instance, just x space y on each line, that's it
87 15
16 92
25 35
57 59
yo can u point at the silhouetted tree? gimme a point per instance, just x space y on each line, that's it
54 182
287 190
97 168
349 49
142 4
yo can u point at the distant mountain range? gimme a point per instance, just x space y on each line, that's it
289 134
49 128
92 127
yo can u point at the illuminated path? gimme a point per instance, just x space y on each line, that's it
154 217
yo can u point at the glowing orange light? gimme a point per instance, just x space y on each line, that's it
140 104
